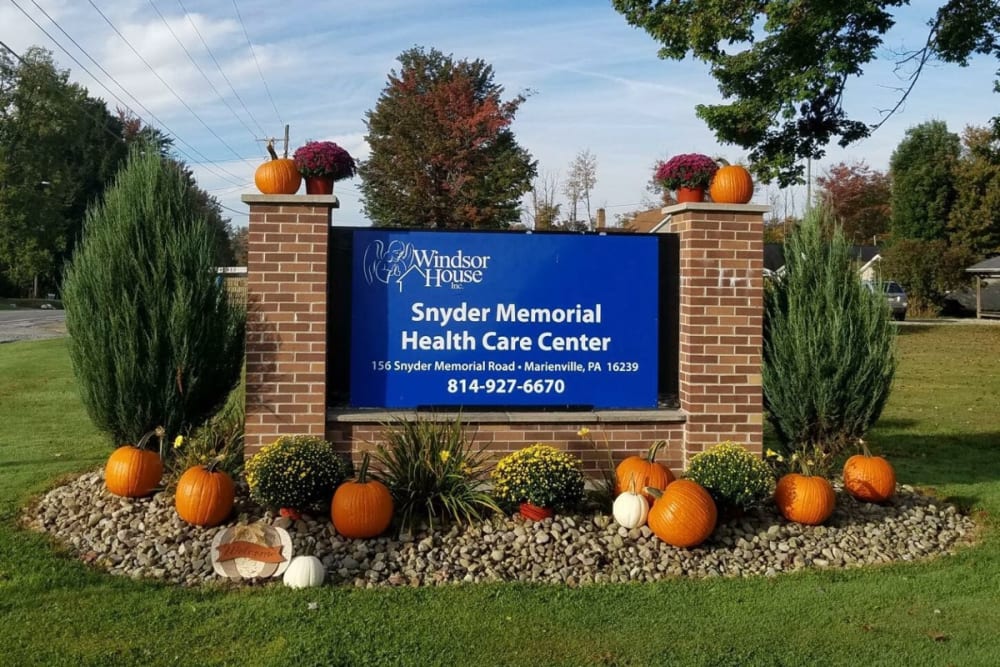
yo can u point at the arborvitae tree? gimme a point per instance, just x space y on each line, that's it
154 339
829 345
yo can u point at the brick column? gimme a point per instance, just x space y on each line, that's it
286 316
721 322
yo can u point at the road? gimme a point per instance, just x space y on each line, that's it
31 324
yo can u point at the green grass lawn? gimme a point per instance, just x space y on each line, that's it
940 430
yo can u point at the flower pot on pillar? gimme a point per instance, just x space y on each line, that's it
319 185
690 195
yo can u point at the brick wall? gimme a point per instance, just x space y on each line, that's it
286 316
721 323
721 320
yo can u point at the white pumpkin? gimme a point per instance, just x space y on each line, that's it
304 572
630 509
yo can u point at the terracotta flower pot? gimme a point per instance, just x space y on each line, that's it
534 512
690 195
319 185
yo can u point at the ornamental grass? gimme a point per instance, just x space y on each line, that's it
434 472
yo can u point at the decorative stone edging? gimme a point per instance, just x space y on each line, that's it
145 538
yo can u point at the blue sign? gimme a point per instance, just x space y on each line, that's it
503 319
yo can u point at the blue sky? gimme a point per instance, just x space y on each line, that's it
597 83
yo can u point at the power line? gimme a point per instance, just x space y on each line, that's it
200 70
165 84
257 63
219 67
230 176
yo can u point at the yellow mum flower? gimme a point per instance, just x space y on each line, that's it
178 441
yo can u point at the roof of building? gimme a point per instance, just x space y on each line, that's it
644 222
987 266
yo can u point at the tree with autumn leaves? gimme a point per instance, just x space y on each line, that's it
442 152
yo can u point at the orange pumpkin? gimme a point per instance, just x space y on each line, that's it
643 472
132 471
204 495
732 184
869 478
363 508
805 499
684 515
279 176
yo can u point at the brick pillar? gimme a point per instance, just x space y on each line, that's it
286 316
721 322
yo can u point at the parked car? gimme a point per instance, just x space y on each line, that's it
895 296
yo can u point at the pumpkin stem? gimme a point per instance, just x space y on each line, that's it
270 149
631 484
363 475
653 449
213 464
144 440
864 447
655 492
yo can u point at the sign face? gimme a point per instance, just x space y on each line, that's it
503 319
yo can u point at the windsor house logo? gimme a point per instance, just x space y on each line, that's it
400 263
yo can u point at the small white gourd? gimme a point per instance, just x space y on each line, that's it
630 509
304 572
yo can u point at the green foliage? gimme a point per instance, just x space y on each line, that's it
736 479
829 346
784 66
442 152
928 270
297 472
155 341
541 475
219 439
58 149
974 219
434 472
923 181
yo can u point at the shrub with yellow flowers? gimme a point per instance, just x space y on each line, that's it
541 475
296 472
736 479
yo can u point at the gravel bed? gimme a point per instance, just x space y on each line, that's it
144 538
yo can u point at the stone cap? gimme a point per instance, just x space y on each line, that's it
378 416
717 208
286 200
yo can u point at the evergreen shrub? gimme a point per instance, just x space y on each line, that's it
829 345
153 339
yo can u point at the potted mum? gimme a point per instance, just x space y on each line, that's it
321 163
537 481
688 174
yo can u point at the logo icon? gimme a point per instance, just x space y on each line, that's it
388 263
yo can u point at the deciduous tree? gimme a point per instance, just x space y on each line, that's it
974 219
442 151
581 180
58 148
923 181
783 65
859 198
